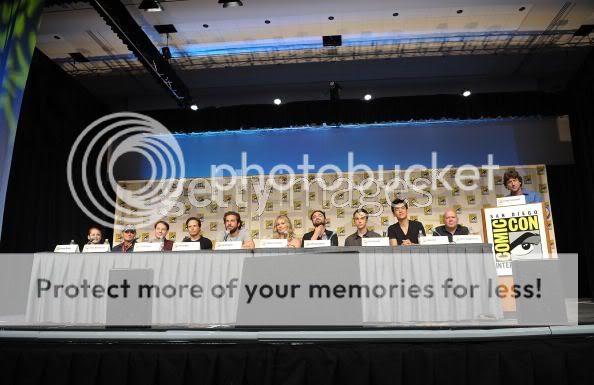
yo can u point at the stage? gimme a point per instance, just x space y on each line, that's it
511 356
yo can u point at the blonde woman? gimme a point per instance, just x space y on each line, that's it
283 229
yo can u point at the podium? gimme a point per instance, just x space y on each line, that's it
516 233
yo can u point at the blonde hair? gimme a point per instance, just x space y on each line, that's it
290 234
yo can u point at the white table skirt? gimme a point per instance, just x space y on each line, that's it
207 269
429 269
383 266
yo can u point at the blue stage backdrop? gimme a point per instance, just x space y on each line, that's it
19 20
511 141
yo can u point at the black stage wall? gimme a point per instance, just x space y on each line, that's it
40 211
581 119
534 361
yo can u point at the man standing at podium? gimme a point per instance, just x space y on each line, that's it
513 182
451 226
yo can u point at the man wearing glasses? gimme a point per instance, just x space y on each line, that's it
129 239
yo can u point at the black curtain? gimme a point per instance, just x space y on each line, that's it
581 118
40 211
563 181
407 108
543 361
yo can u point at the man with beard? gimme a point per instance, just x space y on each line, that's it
234 232
318 219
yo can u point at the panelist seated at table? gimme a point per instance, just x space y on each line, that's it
513 181
161 230
194 226
128 240
450 226
405 231
283 229
318 220
360 217
234 232
94 236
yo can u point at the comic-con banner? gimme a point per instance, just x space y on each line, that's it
516 232
258 211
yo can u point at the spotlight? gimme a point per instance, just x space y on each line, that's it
194 107
150 6
466 93
367 97
231 3
277 101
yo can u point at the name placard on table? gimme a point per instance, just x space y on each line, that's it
471 238
96 248
67 249
228 245
511 201
434 240
383 241
185 246
316 243
272 243
140 247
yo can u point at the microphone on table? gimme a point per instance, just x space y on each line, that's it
226 235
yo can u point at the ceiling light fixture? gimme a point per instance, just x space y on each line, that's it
150 6
466 93
277 101
231 3
194 107
367 97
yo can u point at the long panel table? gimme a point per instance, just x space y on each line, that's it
376 265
